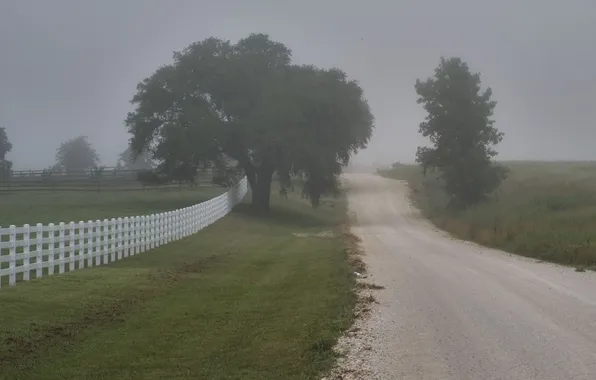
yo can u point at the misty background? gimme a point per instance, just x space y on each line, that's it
70 67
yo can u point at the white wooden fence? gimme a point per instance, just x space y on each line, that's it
33 251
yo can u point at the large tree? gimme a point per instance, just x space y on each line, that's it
5 148
76 154
247 102
129 161
460 127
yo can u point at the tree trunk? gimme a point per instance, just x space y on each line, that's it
261 190
259 179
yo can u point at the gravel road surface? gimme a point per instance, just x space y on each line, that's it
453 310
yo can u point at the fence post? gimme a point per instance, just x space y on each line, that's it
163 226
148 232
193 219
12 279
136 234
169 227
105 225
199 212
112 239
172 226
144 233
51 248
183 222
132 221
61 245
81 235
1 234
203 214
188 219
90 242
166 217
191 216
149 229
97 242
179 223
160 229
176 223
72 247
139 234
119 241
126 236
26 248
153 231
39 248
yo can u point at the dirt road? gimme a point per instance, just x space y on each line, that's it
453 310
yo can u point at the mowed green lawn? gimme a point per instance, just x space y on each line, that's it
48 206
243 299
545 210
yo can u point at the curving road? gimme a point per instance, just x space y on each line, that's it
453 310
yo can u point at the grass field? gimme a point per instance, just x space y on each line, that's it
46 207
545 210
243 299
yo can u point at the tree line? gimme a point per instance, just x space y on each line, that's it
247 101
75 155
247 104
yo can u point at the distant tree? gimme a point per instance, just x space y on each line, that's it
76 154
129 161
54 168
246 101
461 131
5 148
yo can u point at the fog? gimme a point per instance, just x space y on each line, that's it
70 67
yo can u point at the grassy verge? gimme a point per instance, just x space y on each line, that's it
46 207
243 299
545 210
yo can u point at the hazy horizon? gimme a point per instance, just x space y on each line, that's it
70 67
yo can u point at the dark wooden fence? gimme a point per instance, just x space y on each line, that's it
108 178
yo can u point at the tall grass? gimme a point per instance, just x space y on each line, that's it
545 210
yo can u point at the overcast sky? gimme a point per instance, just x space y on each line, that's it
70 67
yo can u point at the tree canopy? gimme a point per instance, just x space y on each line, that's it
460 127
5 148
76 154
248 103
128 161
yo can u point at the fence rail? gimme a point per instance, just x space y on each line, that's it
104 179
34 251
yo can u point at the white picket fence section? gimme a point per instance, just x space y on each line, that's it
44 249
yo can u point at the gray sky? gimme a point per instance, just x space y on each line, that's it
70 67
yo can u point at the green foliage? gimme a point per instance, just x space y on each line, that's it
5 148
461 131
76 154
246 102
129 161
